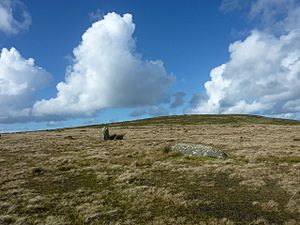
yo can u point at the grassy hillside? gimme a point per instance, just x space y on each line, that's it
69 176
211 119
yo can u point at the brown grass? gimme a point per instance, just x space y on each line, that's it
68 176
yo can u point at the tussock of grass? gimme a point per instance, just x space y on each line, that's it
283 159
70 137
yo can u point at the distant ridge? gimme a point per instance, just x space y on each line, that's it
205 119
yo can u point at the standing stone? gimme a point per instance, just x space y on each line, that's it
104 134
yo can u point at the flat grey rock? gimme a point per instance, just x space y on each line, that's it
198 150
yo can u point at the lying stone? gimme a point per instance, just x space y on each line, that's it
198 150
119 137
116 137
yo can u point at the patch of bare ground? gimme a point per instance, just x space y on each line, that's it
69 176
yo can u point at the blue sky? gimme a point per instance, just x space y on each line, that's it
199 57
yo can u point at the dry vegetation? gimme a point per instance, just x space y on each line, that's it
68 176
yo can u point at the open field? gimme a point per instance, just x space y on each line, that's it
69 176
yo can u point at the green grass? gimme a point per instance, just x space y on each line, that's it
45 184
224 199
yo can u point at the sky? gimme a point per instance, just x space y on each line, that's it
71 63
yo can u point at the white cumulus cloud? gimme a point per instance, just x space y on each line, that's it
262 76
20 79
263 73
13 16
107 72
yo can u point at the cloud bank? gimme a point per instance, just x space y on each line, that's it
107 72
155 110
20 79
263 73
10 10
